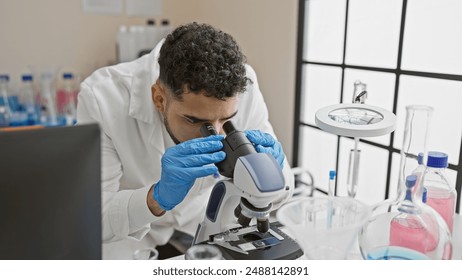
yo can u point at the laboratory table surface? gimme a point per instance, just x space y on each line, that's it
456 243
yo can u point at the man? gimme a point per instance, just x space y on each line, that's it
157 170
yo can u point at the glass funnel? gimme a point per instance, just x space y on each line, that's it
405 227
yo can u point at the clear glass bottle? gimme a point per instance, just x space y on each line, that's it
28 99
17 115
4 104
5 112
48 116
441 194
66 99
383 237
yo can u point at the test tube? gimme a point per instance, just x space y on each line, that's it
353 170
332 175
330 210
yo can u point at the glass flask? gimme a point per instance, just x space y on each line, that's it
404 228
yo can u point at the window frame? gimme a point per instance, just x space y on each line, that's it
299 93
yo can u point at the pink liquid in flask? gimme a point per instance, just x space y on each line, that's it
443 203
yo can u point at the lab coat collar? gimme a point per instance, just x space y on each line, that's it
141 105
145 74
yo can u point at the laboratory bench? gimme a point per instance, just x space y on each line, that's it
456 243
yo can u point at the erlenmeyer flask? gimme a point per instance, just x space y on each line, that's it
387 233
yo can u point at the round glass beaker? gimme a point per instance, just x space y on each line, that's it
203 252
146 254
324 227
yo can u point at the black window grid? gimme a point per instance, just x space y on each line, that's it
300 62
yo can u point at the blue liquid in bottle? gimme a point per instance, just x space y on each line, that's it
395 253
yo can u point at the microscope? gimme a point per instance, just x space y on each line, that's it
254 187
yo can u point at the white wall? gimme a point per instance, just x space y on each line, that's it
55 33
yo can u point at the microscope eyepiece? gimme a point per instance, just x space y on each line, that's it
235 145
228 127
207 129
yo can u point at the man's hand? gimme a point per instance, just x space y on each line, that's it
265 143
182 165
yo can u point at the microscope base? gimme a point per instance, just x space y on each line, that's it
248 243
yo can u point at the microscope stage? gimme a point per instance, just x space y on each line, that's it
247 243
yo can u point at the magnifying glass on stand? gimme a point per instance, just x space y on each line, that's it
355 120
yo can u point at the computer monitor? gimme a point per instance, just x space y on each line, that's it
50 193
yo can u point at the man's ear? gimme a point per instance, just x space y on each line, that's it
159 97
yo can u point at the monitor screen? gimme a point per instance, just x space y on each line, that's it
50 193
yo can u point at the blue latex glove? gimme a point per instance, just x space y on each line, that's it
183 164
265 143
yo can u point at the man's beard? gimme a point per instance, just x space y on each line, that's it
167 127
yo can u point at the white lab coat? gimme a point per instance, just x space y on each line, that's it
133 141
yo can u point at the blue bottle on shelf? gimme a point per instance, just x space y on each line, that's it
4 104
29 100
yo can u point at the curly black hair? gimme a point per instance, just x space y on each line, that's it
200 58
